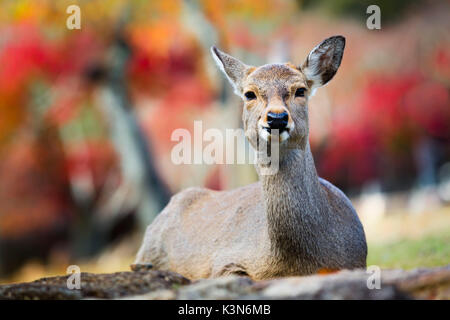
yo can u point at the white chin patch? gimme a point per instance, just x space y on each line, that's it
263 133
284 135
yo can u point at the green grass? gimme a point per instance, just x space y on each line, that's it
430 251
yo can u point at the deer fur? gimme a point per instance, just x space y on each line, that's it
289 223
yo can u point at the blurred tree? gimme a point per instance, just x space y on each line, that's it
391 11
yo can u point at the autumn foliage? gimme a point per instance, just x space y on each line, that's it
390 95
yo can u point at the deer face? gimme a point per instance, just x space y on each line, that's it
276 95
275 98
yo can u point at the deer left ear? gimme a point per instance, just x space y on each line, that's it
233 68
323 61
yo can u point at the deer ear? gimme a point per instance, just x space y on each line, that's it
323 61
233 68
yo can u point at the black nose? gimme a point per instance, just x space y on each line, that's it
277 120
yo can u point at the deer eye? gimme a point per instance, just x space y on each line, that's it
300 92
250 95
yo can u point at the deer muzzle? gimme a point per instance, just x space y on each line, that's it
275 121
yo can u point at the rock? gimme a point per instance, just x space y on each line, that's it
225 288
163 294
106 286
345 285
425 283
432 283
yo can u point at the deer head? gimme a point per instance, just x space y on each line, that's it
276 95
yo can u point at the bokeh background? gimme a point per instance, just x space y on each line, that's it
86 118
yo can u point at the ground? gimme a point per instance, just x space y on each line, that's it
431 283
429 251
405 240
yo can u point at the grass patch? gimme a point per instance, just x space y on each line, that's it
429 251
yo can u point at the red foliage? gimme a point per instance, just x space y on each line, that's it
393 114
94 158
351 154
441 61
34 189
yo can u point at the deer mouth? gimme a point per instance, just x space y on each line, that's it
268 133
280 131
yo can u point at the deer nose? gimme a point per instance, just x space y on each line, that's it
277 120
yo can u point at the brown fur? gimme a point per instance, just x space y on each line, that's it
288 223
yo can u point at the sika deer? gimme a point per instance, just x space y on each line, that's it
289 223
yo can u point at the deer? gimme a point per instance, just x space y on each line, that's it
289 223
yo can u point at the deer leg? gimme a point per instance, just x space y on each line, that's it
141 266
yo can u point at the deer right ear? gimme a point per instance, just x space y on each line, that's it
233 68
323 61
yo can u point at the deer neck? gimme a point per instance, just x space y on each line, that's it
295 207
